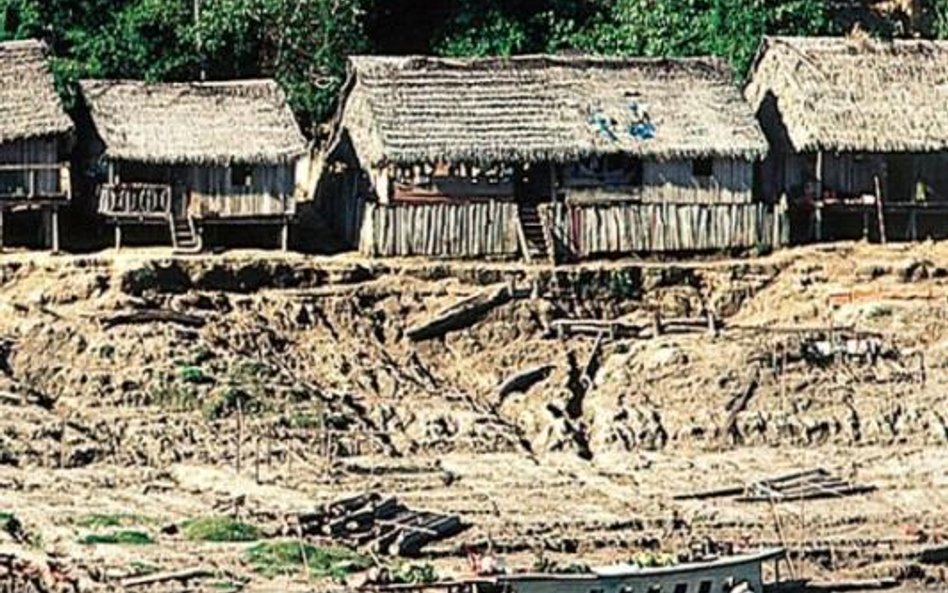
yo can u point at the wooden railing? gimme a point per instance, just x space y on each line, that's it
135 200
35 181
240 205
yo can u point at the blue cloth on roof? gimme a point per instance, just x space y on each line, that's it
643 130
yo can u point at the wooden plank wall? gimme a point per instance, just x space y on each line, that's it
580 231
673 181
240 206
475 229
35 151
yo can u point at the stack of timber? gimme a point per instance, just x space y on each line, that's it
804 485
463 229
382 525
582 230
619 329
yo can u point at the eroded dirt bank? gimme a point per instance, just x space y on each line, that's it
301 369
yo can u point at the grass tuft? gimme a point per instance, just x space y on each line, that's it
127 537
291 556
220 529
103 520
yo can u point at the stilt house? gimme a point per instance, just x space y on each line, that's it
185 156
858 133
542 156
35 139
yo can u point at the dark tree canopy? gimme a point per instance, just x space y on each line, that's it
303 43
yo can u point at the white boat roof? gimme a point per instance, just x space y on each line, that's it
627 570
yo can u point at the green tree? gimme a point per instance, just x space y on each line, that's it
302 43
731 29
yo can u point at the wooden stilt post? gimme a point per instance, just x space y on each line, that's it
818 200
879 211
1 229
818 221
913 224
285 235
54 228
118 236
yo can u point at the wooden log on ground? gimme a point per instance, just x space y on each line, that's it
461 315
151 316
181 576
851 585
707 494
411 540
523 380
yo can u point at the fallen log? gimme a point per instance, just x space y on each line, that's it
412 539
851 585
181 576
460 315
151 316
523 380
706 494
936 555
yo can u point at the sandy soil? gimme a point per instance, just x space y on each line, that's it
139 420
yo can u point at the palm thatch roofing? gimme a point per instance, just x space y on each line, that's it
212 123
29 105
855 95
531 108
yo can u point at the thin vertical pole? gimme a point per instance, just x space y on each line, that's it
197 22
54 223
1 229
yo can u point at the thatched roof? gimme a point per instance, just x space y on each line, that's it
29 105
529 108
203 123
845 94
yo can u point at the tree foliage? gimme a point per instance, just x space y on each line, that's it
731 29
303 43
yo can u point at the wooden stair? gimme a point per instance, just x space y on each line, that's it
184 236
532 229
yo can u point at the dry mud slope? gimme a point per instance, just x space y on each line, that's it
298 373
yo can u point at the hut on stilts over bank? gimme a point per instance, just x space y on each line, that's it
543 156
858 134
187 156
36 136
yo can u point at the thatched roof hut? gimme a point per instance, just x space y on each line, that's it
856 95
534 108
213 123
29 105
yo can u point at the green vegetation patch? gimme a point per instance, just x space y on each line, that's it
415 574
195 375
123 537
292 556
220 529
103 520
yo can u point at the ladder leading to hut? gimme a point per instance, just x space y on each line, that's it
531 232
184 236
